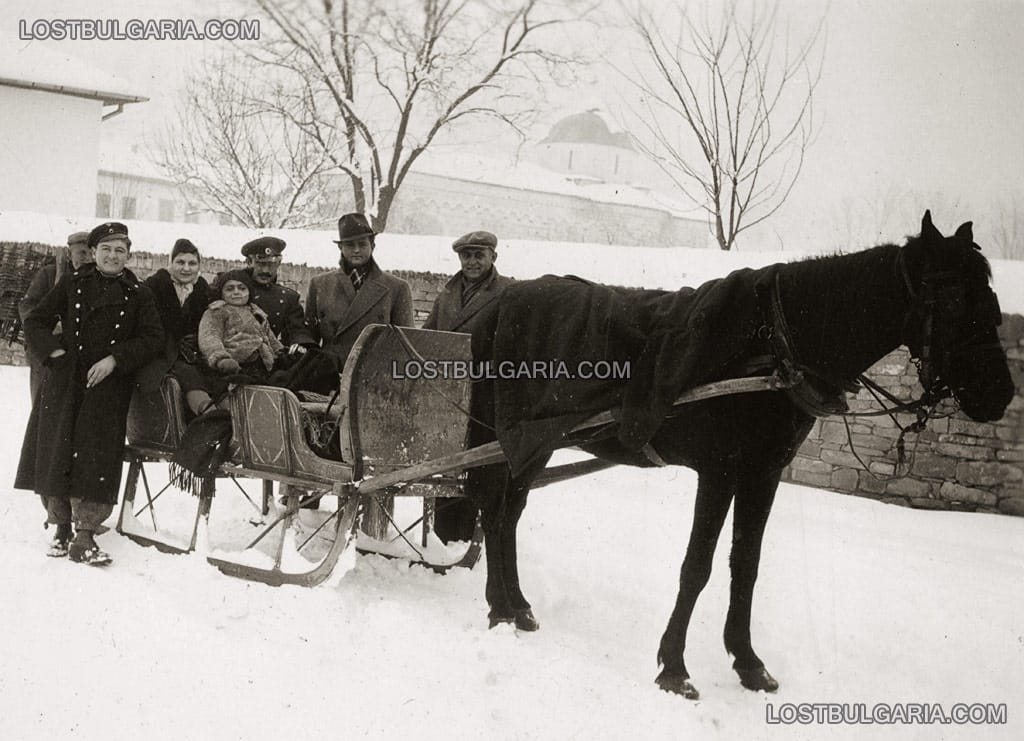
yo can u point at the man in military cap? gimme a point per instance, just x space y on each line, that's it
341 303
73 449
281 304
77 254
466 302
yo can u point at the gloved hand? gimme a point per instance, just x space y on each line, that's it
228 365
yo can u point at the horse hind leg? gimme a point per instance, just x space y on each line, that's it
750 514
714 494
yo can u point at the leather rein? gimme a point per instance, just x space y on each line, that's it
807 392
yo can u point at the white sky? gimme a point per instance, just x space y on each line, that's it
919 106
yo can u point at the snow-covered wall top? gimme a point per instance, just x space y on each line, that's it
667 268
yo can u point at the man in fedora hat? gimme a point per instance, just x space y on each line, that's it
281 304
466 301
341 303
75 256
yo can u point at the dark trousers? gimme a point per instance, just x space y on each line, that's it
84 514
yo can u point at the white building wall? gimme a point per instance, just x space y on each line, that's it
611 164
49 147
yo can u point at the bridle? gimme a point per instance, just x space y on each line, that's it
941 291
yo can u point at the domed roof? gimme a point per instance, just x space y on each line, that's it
586 128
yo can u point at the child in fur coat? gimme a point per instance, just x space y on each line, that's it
235 335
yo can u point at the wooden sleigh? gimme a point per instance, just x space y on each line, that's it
401 435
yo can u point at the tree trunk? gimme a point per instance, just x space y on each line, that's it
385 199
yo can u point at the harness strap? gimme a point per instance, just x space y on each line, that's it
652 455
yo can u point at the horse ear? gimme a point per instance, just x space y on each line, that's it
965 231
928 228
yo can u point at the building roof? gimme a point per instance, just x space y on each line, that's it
494 170
33 66
586 128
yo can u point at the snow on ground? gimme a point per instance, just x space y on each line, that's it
858 602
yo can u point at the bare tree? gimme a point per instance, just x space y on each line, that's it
235 157
727 109
374 84
1008 229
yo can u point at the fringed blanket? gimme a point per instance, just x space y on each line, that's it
549 332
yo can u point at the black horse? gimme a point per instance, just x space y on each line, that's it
832 317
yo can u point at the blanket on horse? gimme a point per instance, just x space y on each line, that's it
549 334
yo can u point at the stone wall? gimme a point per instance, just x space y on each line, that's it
425 287
954 464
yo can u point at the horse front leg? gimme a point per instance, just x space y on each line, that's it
714 493
500 521
753 505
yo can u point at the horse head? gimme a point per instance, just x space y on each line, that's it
951 327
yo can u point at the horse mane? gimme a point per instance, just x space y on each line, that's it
855 274
859 266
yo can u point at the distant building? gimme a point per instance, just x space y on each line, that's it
584 149
581 183
53 109
130 186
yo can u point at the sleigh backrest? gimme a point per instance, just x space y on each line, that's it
156 420
396 414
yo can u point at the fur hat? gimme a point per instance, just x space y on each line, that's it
242 276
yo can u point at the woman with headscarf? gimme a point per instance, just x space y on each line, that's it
181 295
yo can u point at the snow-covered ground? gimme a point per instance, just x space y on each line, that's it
858 602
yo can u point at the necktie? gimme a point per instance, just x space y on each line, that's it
357 278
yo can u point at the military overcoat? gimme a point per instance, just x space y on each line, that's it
74 442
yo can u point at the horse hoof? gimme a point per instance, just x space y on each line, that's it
678 686
522 619
757 679
525 620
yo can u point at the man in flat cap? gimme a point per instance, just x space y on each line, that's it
75 256
466 301
341 303
281 304
73 449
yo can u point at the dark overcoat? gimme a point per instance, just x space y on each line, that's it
284 311
448 313
337 313
74 442
178 321
42 282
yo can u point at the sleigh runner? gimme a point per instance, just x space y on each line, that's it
398 436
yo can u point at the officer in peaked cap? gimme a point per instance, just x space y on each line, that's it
282 305
264 247
465 303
